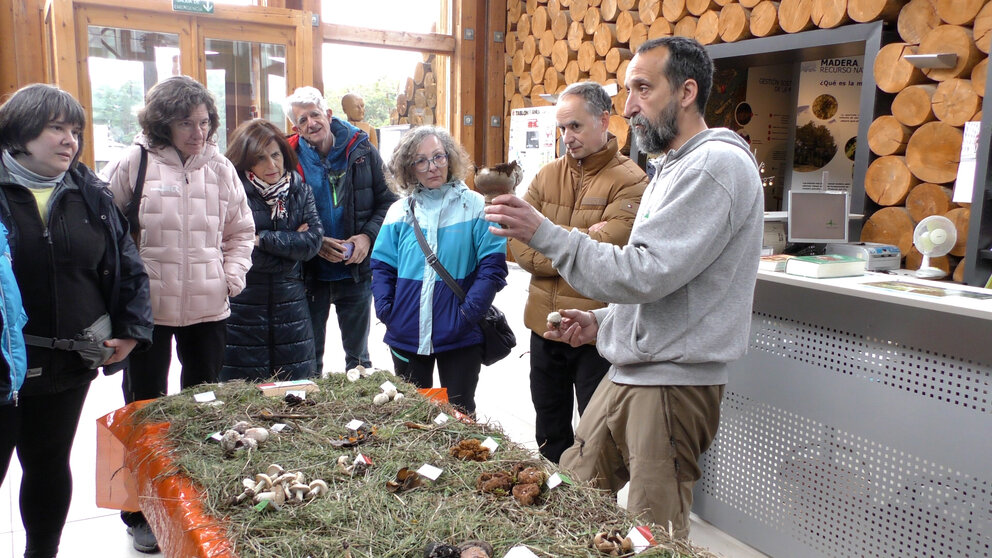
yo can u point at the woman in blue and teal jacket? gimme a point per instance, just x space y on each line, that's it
425 320
14 363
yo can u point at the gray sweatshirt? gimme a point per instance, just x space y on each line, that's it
680 291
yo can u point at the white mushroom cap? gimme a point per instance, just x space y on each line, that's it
262 481
391 392
398 396
380 399
353 375
249 443
241 426
317 488
260 435
274 470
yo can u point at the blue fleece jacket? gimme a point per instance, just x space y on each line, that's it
421 313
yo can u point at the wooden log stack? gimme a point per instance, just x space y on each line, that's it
915 147
417 103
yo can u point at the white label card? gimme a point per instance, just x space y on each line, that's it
641 538
554 480
278 427
362 459
354 425
216 437
519 552
429 471
387 385
205 397
298 393
441 419
490 443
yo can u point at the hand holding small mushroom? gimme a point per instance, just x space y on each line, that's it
577 327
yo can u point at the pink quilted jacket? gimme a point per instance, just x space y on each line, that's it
197 232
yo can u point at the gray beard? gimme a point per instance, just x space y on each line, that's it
657 136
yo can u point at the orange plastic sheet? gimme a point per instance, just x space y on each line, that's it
134 472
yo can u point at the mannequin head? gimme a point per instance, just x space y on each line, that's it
354 106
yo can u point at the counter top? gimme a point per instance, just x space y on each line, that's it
940 296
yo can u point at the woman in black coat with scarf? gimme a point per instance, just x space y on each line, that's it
269 333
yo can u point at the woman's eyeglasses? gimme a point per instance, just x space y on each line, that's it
439 160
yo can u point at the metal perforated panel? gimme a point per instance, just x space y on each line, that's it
836 490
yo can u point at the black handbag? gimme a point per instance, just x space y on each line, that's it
498 338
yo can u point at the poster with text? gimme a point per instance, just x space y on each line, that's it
532 141
827 124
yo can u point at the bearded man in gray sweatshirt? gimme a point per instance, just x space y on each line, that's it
680 290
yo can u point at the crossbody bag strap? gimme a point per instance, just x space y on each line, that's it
134 206
432 257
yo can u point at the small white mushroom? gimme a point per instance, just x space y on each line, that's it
268 495
248 483
260 435
229 441
274 470
398 396
391 392
343 463
300 479
298 491
284 478
554 318
317 488
241 426
362 371
248 443
353 375
380 399
262 481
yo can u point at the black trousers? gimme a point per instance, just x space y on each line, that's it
42 428
458 369
556 370
200 348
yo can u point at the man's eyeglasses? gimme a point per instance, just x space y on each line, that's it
439 160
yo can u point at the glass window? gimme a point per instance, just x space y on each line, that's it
422 16
248 80
123 65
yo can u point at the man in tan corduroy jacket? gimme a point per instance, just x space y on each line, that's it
595 189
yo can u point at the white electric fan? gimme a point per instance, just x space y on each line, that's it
934 236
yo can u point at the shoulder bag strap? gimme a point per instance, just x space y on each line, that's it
134 205
432 257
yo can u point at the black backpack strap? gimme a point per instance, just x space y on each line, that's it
133 206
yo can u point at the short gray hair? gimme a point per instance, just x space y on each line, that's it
303 96
596 98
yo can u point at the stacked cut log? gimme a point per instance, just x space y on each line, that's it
915 148
417 103
918 144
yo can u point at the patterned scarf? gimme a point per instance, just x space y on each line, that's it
273 194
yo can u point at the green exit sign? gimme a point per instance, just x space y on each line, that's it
193 6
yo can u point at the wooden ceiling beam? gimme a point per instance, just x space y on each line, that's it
361 36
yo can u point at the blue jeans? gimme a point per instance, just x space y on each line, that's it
353 305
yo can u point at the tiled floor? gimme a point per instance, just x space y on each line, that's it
502 396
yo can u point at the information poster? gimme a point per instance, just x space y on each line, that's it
754 102
827 124
532 141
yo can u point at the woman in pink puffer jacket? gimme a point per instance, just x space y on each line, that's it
196 239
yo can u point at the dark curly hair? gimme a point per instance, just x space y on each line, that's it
248 142
401 175
25 114
172 100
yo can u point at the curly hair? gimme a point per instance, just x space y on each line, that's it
401 176
172 100
25 114
249 141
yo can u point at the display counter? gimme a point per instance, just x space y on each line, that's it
859 422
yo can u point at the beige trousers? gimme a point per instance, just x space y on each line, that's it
651 436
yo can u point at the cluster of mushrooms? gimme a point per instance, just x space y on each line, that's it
387 395
243 436
469 450
522 481
278 486
612 543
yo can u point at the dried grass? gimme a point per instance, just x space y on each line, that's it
359 512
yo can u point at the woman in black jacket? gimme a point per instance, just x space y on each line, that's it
76 266
269 333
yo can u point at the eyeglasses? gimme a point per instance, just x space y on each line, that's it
439 160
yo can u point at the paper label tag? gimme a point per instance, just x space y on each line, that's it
205 397
558 479
490 443
519 552
441 419
354 425
298 393
641 538
387 385
429 471
215 437
360 458
278 427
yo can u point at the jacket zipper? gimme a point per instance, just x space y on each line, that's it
9 346
185 248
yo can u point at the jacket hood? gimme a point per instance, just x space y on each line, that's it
710 134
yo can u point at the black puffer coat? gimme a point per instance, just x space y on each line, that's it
269 332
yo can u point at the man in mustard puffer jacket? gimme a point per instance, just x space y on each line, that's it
595 189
